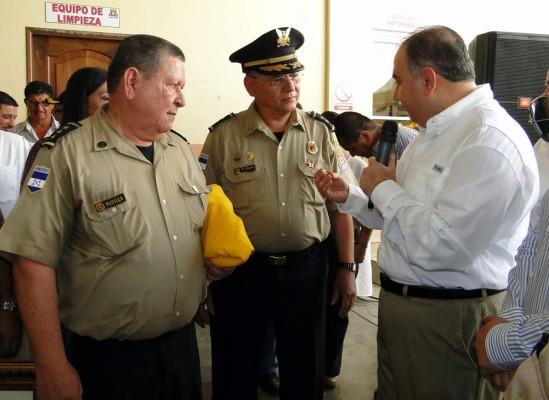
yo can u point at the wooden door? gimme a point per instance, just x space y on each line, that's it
53 55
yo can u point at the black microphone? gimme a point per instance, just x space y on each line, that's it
387 138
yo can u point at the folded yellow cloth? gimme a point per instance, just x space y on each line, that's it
224 237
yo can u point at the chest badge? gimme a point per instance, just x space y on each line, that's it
250 155
312 148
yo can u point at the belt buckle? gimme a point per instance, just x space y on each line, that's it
277 260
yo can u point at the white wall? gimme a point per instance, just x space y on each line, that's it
352 25
208 31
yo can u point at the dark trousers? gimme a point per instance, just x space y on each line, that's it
293 297
163 368
336 327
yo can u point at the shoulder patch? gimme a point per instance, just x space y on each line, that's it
180 135
320 118
51 140
225 118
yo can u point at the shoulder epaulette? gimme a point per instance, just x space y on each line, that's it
64 130
180 135
320 118
225 118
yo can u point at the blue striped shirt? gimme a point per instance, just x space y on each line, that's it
404 136
526 304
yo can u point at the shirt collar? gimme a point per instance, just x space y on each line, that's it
438 124
255 123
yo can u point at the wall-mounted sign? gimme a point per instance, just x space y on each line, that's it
75 14
343 94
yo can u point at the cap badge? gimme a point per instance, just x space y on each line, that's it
283 37
312 148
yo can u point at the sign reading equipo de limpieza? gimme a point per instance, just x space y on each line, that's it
82 15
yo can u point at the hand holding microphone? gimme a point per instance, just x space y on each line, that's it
387 138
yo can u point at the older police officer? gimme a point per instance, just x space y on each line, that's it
107 238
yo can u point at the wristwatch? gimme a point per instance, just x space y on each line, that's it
9 306
346 265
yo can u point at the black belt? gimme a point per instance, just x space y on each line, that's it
432 292
281 259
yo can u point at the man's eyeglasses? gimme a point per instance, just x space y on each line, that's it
45 103
539 115
280 81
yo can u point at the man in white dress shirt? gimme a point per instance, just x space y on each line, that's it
454 212
13 153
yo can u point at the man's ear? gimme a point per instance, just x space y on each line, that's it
364 137
130 80
428 78
249 84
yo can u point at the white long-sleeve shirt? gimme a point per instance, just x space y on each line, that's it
460 206
13 154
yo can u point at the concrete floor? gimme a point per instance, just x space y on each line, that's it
358 371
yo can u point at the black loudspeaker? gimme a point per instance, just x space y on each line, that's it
515 65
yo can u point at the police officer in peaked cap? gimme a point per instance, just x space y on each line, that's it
265 158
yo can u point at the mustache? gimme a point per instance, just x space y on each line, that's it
287 96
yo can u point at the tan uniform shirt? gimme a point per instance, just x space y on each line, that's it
124 235
271 184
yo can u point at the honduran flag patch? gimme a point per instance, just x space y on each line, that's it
203 160
38 178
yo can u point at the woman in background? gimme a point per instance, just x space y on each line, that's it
85 93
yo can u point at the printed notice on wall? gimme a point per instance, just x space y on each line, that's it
75 14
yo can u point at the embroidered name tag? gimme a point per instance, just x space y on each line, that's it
244 170
38 178
102 205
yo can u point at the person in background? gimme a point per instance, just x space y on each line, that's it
359 135
450 228
40 99
8 112
114 207
336 326
85 93
13 152
506 340
264 158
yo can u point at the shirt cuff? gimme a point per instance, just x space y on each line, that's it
498 347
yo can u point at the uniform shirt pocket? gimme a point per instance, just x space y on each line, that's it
308 191
116 228
194 196
244 188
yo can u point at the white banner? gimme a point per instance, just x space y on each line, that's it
75 14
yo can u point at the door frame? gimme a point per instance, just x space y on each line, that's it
31 33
